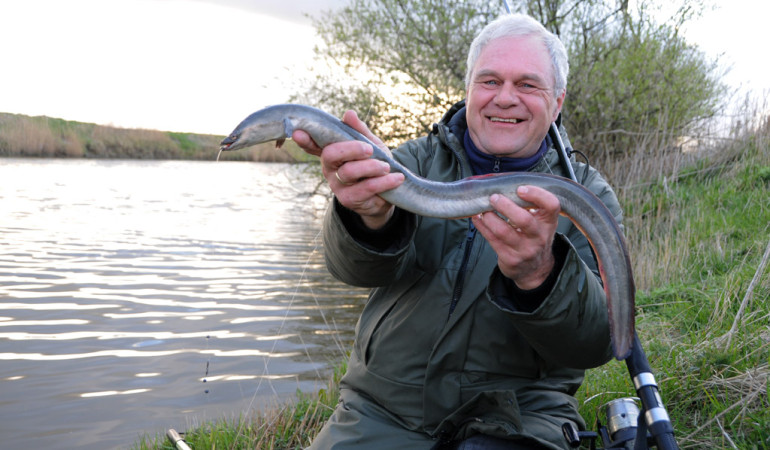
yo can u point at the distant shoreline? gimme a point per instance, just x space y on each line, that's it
46 137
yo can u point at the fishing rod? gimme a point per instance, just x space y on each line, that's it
177 440
653 424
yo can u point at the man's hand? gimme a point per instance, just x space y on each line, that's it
524 241
353 176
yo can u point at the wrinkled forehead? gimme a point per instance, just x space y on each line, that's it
526 55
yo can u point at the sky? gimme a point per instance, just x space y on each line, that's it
203 65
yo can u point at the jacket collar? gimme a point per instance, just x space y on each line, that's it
456 123
455 120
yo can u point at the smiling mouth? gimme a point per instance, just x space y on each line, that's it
500 119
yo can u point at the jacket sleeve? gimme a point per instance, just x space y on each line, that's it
570 327
362 257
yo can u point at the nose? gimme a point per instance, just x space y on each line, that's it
507 96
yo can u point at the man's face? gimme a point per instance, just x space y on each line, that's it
510 100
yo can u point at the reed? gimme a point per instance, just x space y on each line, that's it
47 137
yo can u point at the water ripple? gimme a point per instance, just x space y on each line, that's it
198 287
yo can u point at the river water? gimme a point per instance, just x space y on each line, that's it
140 296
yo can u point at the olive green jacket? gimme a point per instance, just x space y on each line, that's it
489 367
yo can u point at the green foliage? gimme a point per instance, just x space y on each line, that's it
184 140
632 80
637 85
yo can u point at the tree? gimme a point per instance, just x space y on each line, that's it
636 85
414 56
629 74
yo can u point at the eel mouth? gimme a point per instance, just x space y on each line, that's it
228 142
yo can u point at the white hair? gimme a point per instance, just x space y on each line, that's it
520 25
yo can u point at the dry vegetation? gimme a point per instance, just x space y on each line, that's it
24 136
697 221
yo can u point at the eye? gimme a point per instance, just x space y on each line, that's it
527 88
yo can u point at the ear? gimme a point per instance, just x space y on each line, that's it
558 105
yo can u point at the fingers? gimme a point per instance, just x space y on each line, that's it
351 118
306 143
339 153
356 180
347 172
522 237
349 162
353 175
339 178
530 221
361 196
545 203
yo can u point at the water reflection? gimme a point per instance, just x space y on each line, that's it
106 393
139 296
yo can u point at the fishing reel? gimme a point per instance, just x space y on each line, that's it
618 431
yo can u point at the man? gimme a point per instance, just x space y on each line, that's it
477 331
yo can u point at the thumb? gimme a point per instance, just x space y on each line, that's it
351 118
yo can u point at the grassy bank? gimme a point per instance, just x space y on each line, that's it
698 229
25 136
287 426
700 242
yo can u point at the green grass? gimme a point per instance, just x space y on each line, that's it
289 426
701 241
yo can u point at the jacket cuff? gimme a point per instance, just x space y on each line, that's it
392 237
505 294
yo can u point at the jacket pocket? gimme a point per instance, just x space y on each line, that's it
381 302
496 349
494 413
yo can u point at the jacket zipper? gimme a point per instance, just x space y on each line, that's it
459 284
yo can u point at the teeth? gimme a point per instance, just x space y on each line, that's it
500 119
